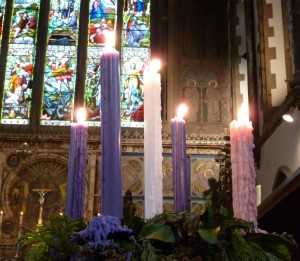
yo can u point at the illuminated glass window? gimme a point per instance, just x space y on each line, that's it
55 83
2 14
20 61
135 58
61 63
102 22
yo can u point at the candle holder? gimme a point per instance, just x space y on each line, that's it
42 193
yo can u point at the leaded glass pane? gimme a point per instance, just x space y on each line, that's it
102 23
61 63
2 15
20 62
135 59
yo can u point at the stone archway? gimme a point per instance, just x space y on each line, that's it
20 195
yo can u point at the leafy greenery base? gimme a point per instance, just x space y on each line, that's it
215 235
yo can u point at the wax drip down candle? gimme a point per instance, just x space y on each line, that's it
180 178
153 141
111 179
77 167
243 171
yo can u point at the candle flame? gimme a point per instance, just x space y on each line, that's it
181 111
243 113
21 213
155 65
110 39
81 115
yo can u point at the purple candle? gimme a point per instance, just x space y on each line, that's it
180 179
111 180
76 170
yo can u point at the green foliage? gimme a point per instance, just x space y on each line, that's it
158 232
54 236
148 252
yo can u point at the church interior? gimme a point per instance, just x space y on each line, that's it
216 55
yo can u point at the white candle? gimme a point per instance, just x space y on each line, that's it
243 171
152 143
1 217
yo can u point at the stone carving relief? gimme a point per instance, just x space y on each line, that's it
19 189
133 175
201 171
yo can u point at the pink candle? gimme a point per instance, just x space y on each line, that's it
243 171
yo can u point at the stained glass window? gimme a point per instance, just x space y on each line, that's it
134 60
20 61
2 14
61 63
102 22
57 91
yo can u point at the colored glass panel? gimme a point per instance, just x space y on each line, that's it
20 62
2 15
102 19
92 86
61 63
135 47
63 22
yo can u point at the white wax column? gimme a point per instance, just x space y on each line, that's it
152 145
243 171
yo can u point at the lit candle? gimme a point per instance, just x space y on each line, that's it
243 171
21 218
258 195
77 167
152 141
1 217
111 180
180 179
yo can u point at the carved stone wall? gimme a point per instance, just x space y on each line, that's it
201 69
46 167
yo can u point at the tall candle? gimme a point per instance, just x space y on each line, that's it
243 171
152 143
111 180
180 179
77 167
